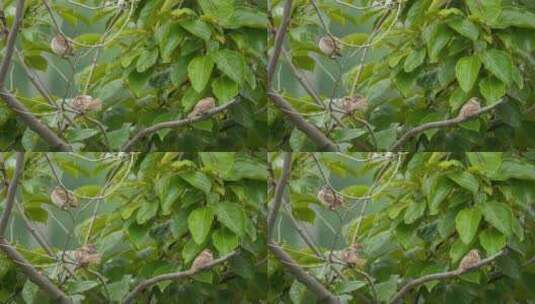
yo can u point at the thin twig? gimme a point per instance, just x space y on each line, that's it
11 191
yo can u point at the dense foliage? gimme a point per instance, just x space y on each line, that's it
413 215
154 213
415 61
147 62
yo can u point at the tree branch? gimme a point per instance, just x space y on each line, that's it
33 123
323 294
11 191
320 139
279 40
175 124
44 283
11 253
442 276
439 124
173 276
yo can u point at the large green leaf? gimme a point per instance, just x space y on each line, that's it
492 89
199 72
232 216
198 180
465 27
498 215
492 241
231 63
465 180
466 71
224 241
199 223
414 60
466 223
498 63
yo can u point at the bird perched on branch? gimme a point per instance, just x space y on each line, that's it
202 107
328 197
353 256
329 47
470 108
86 103
63 199
203 259
469 260
87 255
355 103
61 46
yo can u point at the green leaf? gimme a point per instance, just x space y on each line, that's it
517 17
498 215
492 241
414 212
147 211
199 71
466 223
439 39
385 290
441 190
488 162
218 162
457 250
147 59
356 190
29 291
224 241
492 89
465 180
466 71
198 180
118 137
414 60
119 289
232 216
225 89
488 10
231 63
75 287
199 223
198 28
465 27
499 64
221 9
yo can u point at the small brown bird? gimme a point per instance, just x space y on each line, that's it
329 47
469 260
87 255
203 259
353 256
329 198
355 103
61 46
63 199
86 103
470 108
204 105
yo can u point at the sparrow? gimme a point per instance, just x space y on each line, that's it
63 199
352 256
470 108
86 103
329 47
203 259
87 255
329 198
356 103
469 260
61 46
204 105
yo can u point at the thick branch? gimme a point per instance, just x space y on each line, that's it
175 124
322 293
279 41
44 283
10 44
55 142
322 141
439 124
11 191
279 191
173 276
442 276
33 123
